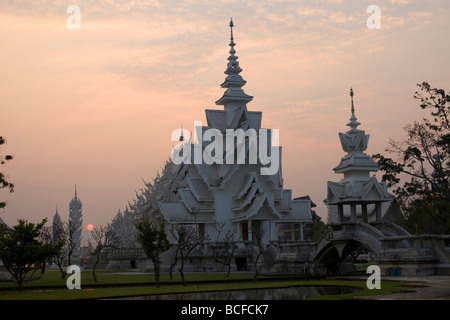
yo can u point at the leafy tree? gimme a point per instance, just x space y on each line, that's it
21 250
4 183
421 172
153 240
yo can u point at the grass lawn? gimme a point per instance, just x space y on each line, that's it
112 283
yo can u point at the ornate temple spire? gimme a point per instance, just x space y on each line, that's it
353 123
355 142
358 186
75 192
234 82
233 65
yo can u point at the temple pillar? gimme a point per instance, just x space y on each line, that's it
301 231
353 212
341 212
271 229
364 212
378 211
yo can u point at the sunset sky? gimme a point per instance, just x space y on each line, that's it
96 106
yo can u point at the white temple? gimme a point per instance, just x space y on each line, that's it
358 195
237 194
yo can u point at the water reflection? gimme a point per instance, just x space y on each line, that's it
289 293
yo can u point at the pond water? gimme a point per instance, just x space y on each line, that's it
288 293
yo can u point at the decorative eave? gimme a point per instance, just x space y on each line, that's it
254 211
251 194
356 162
216 175
252 178
200 190
192 204
374 191
234 95
313 205
300 212
285 203
369 191
176 213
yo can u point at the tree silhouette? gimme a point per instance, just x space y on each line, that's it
421 171
4 183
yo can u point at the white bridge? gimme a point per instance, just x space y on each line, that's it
390 246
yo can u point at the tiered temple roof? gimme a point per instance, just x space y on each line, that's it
233 192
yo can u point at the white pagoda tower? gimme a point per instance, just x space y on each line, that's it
357 194
75 221
237 194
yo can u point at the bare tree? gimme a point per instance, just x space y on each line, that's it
187 239
174 262
70 244
61 234
103 239
46 238
224 249
257 235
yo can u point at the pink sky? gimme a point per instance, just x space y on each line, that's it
96 106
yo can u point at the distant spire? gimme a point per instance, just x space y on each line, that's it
353 123
75 192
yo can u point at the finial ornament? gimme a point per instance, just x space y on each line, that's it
231 27
232 44
353 120
351 95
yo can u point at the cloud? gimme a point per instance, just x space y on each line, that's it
97 105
